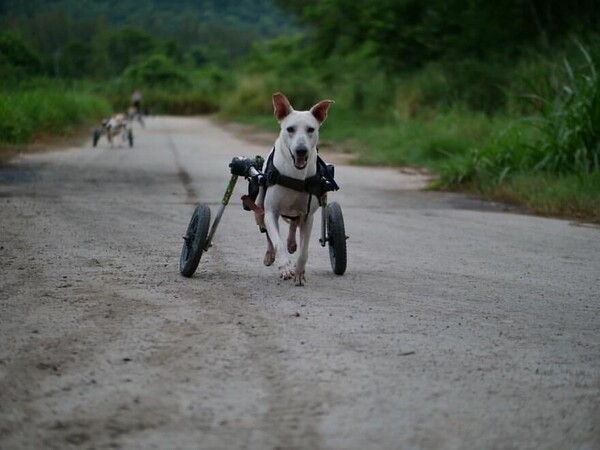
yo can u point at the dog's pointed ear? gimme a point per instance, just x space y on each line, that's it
282 106
320 110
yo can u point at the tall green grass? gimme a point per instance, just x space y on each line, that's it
549 161
562 138
26 113
570 122
576 195
529 132
427 141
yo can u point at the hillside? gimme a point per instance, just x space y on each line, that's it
229 25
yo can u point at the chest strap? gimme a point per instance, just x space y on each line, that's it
313 185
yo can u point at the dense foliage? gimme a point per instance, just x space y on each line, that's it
40 110
406 34
87 38
485 93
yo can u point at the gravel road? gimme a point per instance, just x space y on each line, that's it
458 325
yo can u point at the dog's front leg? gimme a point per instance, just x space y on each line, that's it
281 256
291 240
305 230
270 253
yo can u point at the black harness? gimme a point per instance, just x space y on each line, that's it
317 185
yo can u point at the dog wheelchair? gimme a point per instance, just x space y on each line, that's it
199 235
126 133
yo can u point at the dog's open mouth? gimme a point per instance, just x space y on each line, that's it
300 160
300 163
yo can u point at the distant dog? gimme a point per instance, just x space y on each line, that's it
293 186
116 126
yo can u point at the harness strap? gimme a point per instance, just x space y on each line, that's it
313 185
316 185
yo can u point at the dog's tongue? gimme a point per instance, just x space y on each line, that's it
300 162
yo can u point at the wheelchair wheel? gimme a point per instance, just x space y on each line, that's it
336 238
96 136
195 240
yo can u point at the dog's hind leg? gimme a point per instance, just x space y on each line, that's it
305 230
259 212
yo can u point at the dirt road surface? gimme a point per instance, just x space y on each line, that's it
457 325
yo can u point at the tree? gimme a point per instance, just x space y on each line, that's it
18 55
409 33
156 70
75 60
127 44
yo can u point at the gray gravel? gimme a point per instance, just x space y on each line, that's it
458 325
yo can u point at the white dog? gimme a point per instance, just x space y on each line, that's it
115 126
293 186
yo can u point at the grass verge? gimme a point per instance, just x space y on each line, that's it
572 196
470 152
26 114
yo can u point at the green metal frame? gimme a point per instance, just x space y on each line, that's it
224 203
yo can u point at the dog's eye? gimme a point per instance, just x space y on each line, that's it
290 129
310 130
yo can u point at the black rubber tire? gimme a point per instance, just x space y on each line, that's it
96 137
336 238
130 137
195 241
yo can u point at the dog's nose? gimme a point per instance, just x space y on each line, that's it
302 152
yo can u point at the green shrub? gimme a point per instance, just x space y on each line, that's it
156 71
563 138
570 122
27 113
477 83
251 95
179 103
423 141
357 82
17 53
489 162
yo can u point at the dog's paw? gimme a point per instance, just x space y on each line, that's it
286 272
291 246
269 257
299 279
